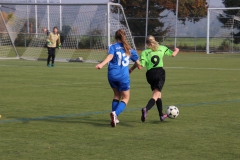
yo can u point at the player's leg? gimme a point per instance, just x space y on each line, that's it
159 100
53 56
122 105
49 56
115 101
123 89
151 78
116 98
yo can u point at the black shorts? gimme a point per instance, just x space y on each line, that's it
156 78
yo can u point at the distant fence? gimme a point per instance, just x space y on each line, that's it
188 44
193 44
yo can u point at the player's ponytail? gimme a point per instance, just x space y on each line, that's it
152 43
121 36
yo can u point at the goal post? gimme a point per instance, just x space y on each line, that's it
86 30
223 30
6 43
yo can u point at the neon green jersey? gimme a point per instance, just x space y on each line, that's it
154 59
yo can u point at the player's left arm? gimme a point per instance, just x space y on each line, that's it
169 52
135 65
176 50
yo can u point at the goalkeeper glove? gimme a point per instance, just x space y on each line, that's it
49 43
60 46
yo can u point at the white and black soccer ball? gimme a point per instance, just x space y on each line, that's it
172 112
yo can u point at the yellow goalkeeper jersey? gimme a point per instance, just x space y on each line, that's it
54 39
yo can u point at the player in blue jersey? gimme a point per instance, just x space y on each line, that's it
119 55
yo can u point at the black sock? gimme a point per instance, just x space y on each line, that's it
150 104
159 106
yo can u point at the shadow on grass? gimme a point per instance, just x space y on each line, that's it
159 122
89 120
77 120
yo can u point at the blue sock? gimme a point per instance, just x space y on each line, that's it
114 104
121 106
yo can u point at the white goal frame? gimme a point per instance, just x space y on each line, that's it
112 25
208 51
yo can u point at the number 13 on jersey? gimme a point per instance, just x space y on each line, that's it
123 59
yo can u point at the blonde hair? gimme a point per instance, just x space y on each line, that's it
121 36
152 43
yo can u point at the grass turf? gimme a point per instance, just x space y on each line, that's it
63 112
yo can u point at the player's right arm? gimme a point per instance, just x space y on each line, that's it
49 39
143 59
107 59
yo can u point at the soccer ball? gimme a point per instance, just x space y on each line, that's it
172 112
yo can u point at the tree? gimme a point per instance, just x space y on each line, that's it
66 29
8 18
224 18
191 10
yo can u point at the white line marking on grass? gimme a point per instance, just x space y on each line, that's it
204 57
92 67
22 120
220 69
79 67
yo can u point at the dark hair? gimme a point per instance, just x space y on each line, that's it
55 28
121 36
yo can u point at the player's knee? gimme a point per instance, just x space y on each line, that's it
118 97
125 100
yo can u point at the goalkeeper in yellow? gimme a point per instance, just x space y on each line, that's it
53 42
152 59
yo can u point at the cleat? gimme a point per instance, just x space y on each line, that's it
53 65
162 118
144 114
117 121
48 65
113 119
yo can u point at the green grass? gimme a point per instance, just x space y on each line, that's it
63 112
41 53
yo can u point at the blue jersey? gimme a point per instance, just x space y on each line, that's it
118 66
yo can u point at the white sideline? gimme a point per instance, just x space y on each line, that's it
220 69
9 58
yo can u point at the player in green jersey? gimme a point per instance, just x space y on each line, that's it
152 59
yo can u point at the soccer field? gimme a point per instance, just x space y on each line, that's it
63 112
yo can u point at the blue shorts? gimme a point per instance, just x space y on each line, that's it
120 86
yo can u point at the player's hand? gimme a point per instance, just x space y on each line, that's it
176 49
49 43
99 66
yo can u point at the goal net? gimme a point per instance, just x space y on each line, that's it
86 30
223 31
